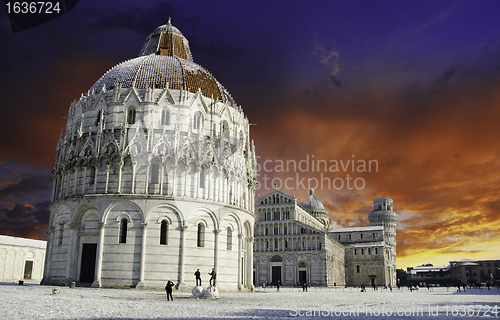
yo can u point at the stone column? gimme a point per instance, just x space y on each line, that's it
216 249
140 284
240 245
100 247
97 167
186 175
133 177
68 183
76 180
148 165
72 250
54 183
162 176
61 186
84 180
209 183
48 256
107 177
181 258
120 170
174 184
217 187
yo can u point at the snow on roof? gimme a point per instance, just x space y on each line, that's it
23 242
427 269
355 229
365 244
469 264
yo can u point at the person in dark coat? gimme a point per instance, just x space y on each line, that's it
213 275
198 277
168 289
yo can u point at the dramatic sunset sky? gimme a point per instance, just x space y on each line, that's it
413 85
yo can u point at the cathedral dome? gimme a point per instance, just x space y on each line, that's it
165 61
314 203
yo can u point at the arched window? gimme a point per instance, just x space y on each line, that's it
197 121
154 172
131 116
165 117
201 236
225 129
91 174
276 259
241 138
202 178
123 230
99 116
357 268
229 239
164 232
61 232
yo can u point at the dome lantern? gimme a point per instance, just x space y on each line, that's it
167 40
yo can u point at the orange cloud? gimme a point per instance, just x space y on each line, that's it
438 159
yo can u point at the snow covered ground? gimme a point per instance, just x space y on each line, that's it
38 302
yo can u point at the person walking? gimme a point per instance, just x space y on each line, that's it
168 289
213 275
198 277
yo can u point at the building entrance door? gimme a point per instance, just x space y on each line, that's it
276 275
302 276
28 269
87 266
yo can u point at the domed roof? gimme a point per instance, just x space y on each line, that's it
314 203
165 62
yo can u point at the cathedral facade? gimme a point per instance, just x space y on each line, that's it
294 244
153 178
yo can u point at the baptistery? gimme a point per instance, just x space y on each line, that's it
154 178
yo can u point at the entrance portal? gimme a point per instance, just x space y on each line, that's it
28 269
276 275
87 266
302 276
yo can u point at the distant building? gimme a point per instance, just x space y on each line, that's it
293 244
428 275
21 259
475 271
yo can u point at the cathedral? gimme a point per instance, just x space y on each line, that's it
154 178
294 244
